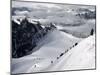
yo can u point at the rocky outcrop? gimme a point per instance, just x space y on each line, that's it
25 37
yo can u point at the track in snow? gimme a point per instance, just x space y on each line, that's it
54 44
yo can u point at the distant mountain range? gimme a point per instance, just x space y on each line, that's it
14 9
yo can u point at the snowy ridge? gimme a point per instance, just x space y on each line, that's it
83 54
54 44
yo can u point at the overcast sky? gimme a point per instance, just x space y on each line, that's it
48 5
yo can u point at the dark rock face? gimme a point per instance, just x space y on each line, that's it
25 37
92 31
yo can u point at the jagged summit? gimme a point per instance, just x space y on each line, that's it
26 35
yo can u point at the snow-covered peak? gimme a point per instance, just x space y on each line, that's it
16 21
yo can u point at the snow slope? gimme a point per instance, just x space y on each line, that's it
54 44
80 57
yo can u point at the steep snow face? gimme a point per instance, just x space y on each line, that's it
55 43
80 57
83 54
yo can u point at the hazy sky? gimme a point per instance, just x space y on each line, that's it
48 5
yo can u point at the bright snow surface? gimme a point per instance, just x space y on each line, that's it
81 56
